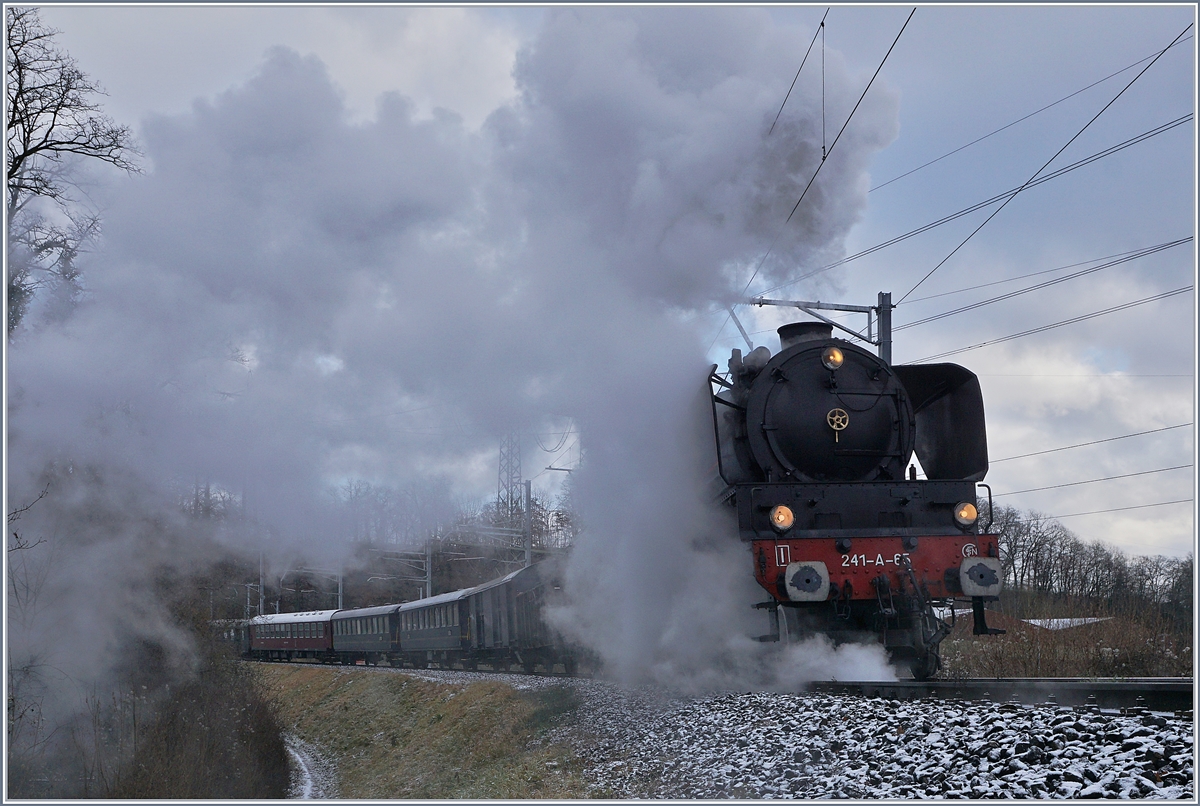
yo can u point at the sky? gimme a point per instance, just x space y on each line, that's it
367 242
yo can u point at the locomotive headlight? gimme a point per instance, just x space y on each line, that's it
782 518
965 514
832 358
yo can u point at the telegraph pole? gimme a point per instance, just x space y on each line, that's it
884 315
528 523
428 567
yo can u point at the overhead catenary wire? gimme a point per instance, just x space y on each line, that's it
847 123
1055 174
1066 145
849 117
1063 323
1115 256
1119 509
1091 481
1150 250
820 28
562 439
1018 120
1093 442
1025 276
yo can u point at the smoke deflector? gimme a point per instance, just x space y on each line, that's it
951 436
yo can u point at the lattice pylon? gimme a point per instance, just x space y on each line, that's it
509 492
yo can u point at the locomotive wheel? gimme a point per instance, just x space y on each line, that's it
926 666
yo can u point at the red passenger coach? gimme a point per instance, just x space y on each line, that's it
284 636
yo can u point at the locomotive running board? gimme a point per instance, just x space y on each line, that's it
772 608
980 627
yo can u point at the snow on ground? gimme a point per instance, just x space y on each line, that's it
820 746
648 743
313 776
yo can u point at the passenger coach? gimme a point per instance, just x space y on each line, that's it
285 636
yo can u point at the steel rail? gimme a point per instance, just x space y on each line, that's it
1155 693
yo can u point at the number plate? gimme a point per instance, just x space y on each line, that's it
857 560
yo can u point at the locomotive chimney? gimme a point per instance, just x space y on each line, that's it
798 332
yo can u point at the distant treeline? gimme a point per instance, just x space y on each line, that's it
1041 556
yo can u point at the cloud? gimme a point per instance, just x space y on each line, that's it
292 297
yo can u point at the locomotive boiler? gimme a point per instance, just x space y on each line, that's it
815 447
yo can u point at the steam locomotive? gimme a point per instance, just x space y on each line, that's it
813 444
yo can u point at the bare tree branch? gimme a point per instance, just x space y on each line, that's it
52 119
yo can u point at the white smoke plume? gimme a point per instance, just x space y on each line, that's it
287 299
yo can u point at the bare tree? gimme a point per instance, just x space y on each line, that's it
53 121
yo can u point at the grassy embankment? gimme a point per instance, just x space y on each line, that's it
394 736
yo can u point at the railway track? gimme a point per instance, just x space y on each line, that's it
1155 693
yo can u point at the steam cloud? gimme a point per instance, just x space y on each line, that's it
286 300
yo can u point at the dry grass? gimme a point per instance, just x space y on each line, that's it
393 736
1117 647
